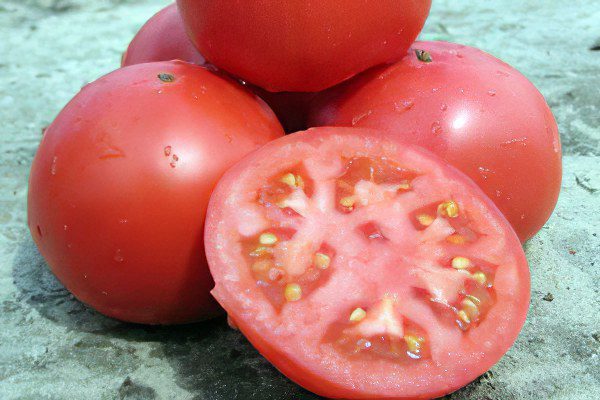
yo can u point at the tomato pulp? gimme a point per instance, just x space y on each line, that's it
299 45
120 184
365 268
471 109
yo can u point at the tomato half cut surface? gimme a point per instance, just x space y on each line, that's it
364 268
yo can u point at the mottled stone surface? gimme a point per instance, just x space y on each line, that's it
52 347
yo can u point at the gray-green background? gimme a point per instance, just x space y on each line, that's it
52 347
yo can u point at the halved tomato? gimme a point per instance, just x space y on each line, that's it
363 268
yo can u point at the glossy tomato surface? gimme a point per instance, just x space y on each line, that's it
120 184
365 268
473 110
163 38
301 45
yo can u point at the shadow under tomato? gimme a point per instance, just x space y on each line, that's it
210 360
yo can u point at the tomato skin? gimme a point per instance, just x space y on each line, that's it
473 110
297 358
162 38
291 108
299 45
120 184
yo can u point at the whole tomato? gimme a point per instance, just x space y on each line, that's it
121 181
163 38
475 111
302 45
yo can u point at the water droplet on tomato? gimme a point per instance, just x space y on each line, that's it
53 167
491 92
444 107
358 118
167 151
111 152
522 141
119 256
485 172
404 105
436 128
174 161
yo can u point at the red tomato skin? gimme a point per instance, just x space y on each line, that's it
162 38
290 366
471 109
120 184
302 46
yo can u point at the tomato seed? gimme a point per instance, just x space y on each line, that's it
470 308
289 179
480 277
474 299
425 219
261 251
348 201
448 209
456 239
267 239
461 263
413 343
358 315
462 315
404 185
322 261
293 292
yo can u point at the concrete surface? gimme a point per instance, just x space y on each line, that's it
52 347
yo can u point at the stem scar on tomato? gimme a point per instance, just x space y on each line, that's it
423 56
166 77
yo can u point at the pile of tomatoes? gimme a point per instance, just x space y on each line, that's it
375 255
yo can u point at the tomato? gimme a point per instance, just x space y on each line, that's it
473 110
300 45
163 38
365 268
121 181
